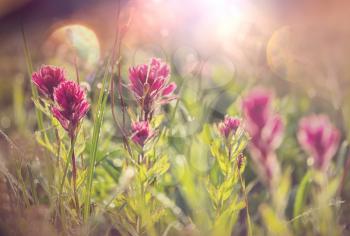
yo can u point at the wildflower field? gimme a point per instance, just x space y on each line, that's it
152 133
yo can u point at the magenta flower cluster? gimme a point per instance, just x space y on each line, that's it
229 126
265 128
150 86
319 138
141 132
69 99
71 105
47 78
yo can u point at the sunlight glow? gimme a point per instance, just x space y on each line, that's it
75 40
226 17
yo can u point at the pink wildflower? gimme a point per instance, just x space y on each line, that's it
47 78
229 126
257 109
266 131
149 85
70 106
141 132
319 138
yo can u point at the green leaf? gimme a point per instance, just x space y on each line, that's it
225 222
212 193
282 191
205 136
112 172
160 167
41 108
273 223
227 187
341 157
46 145
240 143
220 157
300 198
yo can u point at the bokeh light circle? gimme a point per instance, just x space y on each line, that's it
73 44
186 60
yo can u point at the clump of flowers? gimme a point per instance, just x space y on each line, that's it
229 126
141 132
69 100
47 78
319 138
67 103
150 86
70 106
265 129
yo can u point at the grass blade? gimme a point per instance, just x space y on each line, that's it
101 104
39 114
301 198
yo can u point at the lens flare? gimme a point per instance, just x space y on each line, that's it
72 44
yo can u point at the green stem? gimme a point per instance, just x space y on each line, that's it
58 148
74 176
69 157
249 223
